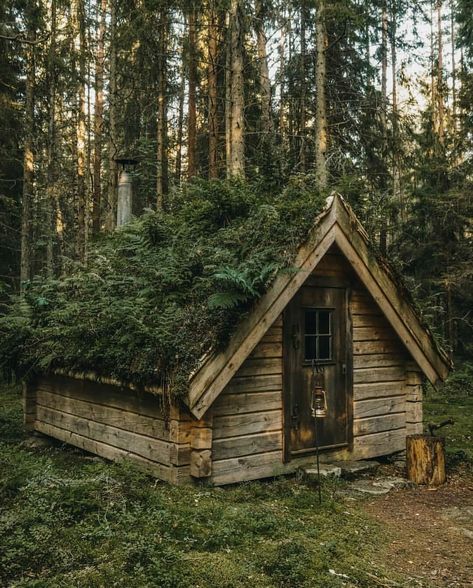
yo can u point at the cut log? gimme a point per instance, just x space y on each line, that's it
425 459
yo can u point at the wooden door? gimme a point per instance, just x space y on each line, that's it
315 329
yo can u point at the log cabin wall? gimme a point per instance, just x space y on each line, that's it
241 437
112 422
248 415
387 392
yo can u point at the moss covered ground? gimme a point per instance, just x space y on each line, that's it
71 520
68 519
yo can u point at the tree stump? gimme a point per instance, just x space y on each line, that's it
425 459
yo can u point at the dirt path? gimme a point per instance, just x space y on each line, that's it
430 532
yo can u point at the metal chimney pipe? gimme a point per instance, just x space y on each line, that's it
125 198
125 189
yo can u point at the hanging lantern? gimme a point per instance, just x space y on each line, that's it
319 396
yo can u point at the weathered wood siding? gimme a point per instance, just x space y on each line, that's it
114 423
387 391
241 437
247 416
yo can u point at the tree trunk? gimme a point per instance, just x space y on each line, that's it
113 134
51 195
425 459
264 79
228 95
237 160
28 162
180 117
321 131
440 96
212 89
302 75
161 154
383 232
454 72
396 172
283 139
78 20
98 117
192 109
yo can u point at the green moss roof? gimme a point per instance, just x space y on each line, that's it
164 289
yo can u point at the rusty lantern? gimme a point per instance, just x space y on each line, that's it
319 396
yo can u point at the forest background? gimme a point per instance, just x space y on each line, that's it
373 99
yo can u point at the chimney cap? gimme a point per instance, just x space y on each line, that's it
125 160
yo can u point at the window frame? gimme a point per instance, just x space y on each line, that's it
330 335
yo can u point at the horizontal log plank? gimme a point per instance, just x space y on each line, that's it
357 308
381 374
378 423
377 347
104 450
374 334
244 403
413 378
251 467
414 412
148 447
247 424
107 395
414 428
414 393
264 350
369 320
115 417
254 384
376 444
257 367
378 390
374 360
247 445
378 406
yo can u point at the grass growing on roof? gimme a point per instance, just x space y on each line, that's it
164 289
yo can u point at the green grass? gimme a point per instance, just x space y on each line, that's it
67 520
455 401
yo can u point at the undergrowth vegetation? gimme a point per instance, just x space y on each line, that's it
68 519
454 400
163 290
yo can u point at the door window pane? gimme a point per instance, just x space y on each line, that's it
317 334
324 322
310 322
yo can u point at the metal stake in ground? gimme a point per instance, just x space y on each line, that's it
319 411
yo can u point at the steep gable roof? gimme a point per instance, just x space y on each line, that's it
337 224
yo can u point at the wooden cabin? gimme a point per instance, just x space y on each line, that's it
248 413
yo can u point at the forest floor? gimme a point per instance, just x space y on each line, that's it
68 519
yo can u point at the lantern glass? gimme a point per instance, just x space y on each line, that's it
320 403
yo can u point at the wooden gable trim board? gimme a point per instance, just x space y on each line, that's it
215 374
353 241
337 224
